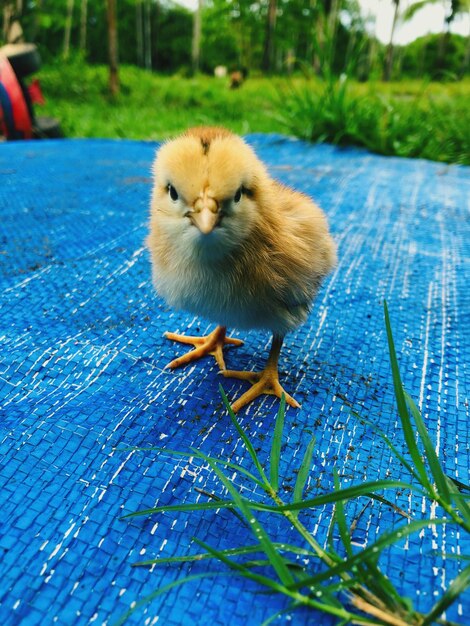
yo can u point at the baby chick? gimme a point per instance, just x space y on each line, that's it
231 244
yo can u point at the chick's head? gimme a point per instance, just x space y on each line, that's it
205 192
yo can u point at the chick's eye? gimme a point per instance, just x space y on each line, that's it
238 196
172 193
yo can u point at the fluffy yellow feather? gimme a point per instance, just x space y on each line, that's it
233 245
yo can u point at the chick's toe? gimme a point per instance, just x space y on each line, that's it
265 382
211 344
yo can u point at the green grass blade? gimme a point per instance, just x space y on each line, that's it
403 408
331 498
304 471
460 485
341 518
195 453
393 506
367 571
191 558
242 569
274 617
275 455
459 502
265 542
161 591
193 506
330 605
235 466
456 588
330 543
293 567
433 461
388 538
244 437
377 582
450 555
389 443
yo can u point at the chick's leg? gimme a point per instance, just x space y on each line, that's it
212 343
265 382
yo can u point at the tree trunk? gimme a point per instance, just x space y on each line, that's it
139 33
196 51
8 13
371 56
466 59
318 35
113 48
83 25
68 28
268 53
442 47
36 22
332 28
387 74
148 35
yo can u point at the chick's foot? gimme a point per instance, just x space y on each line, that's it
211 344
265 382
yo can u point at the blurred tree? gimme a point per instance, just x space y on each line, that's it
196 44
113 48
172 50
330 35
139 32
12 10
148 34
465 67
387 73
268 52
452 8
83 26
68 29
220 35
420 56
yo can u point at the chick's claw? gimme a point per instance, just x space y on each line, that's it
212 344
265 382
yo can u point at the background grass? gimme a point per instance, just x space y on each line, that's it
409 118
153 106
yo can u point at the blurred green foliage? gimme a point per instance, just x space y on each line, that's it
420 58
233 34
406 118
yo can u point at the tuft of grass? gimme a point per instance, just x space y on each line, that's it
418 121
347 583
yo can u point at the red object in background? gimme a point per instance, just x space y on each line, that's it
35 93
15 120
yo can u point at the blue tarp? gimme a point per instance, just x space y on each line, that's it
82 381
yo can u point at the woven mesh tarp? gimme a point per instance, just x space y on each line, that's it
82 380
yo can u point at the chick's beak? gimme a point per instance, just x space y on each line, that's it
205 215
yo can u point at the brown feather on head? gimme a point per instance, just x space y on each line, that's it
207 134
